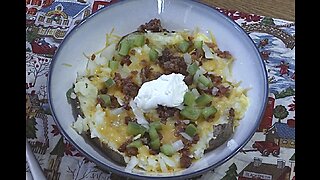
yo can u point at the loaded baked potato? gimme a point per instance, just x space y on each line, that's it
157 100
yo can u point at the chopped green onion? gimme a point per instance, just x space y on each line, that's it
154 137
137 40
153 133
208 111
191 113
183 46
203 100
192 69
153 55
135 129
191 130
136 143
189 98
156 124
205 81
114 65
125 46
106 99
155 144
198 44
109 82
167 149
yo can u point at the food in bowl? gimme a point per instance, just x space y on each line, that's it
157 100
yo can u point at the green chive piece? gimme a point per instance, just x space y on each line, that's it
183 46
114 65
106 99
191 130
205 81
155 144
135 129
189 98
153 133
125 46
191 113
136 143
208 111
155 141
192 69
203 100
156 124
109 82
167 149
153 55
137 40
198 44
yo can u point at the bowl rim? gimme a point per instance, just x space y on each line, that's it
131 175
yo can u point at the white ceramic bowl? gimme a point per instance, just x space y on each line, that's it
125 17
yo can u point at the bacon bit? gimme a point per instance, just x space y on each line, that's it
185 161
154 152
126 106
190 38
117 79
231 114
101 102
144 63
171 63
185 151
154 25
131 151
127 119
165 112
186 142
114 102
223 91
104 91
93 57
224 54
125 60
214 78
188 80
134 73
195 139
146 74
128 87
123 146
180 126
213 46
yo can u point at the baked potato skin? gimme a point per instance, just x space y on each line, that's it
106 150
221 134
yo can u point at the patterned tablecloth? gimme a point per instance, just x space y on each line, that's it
269 155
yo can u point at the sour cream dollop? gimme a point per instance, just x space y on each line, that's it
167 90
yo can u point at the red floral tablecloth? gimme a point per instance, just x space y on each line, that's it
270 154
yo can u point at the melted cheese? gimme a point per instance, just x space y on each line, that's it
168 133
114 129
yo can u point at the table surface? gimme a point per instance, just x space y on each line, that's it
283 9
